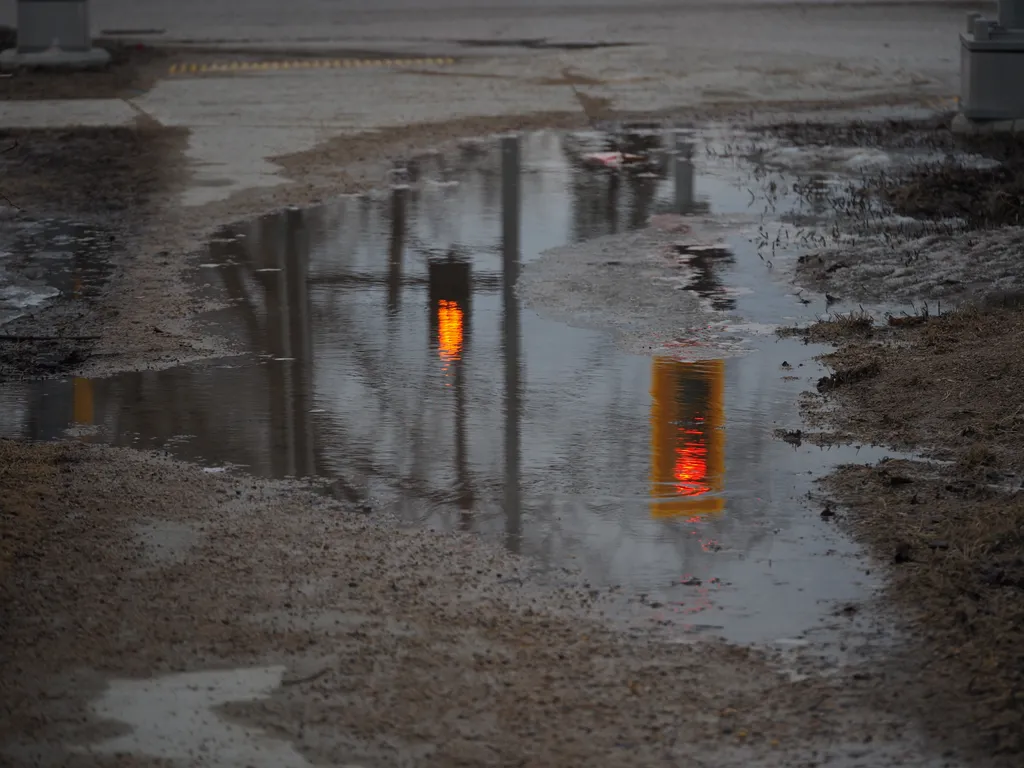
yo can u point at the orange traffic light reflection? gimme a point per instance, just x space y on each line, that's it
687 438
450 329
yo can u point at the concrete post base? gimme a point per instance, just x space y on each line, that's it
55 58
992 65
965 126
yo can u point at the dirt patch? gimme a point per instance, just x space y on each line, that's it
956 549
427 648
90 172
113 181
930 132
952 532
133 70
837 327
26 484
980 197
948 381
356 163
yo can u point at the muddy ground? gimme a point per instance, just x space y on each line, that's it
941 377
943 223
952 528
402 647
436 647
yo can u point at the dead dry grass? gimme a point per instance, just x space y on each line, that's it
953 531
838 326
948 382
957 552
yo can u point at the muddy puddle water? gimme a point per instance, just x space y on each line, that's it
391 357
42 259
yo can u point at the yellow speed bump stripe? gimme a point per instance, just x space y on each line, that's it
265 66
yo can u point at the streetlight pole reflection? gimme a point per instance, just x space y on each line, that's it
510 209
399 198
450 284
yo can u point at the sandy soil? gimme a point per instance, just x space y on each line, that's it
404 647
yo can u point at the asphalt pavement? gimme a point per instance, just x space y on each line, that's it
740 25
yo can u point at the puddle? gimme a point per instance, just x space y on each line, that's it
174 717
392 357
41 260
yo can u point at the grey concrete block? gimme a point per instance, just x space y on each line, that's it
41 23
94 58
963 125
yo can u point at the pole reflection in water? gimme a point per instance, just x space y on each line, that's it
289 331
84 408
399 200
510 209
683 177
450 287
687 437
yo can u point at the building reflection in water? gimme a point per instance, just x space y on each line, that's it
705 261
687 437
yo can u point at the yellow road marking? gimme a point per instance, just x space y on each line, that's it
263 66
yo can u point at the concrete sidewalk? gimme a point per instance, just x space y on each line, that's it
239 120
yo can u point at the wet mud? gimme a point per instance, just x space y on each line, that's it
77 201
949 527
933 217
939 376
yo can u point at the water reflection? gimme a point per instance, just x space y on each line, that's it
396 360
687 437
511 210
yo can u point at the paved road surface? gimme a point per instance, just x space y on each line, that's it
740 23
